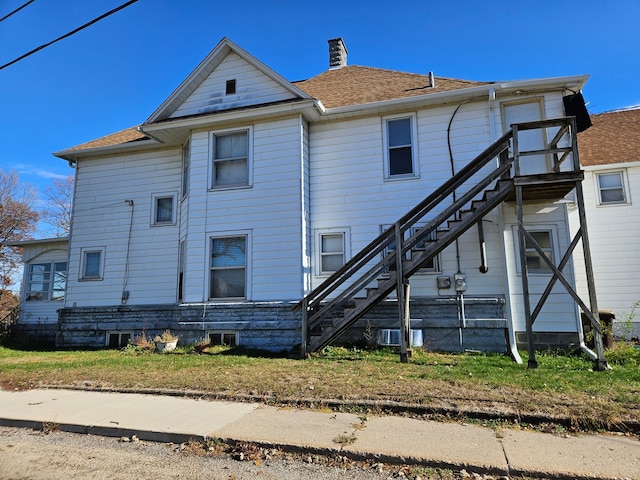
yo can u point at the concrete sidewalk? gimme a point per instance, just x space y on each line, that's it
388 439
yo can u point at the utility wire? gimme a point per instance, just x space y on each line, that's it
16 10
95 20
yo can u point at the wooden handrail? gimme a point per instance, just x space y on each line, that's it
361 266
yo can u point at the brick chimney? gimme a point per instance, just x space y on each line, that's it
337 53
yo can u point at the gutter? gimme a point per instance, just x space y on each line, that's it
473 93
73 156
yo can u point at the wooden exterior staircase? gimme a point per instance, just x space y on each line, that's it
386 263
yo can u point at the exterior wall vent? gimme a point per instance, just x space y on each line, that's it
389 337
337 53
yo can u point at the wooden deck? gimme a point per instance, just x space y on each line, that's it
547 186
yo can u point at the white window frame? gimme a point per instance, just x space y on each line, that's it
414 147
120 333
213 160
31 295
420 247
624 185
154 209
346 253
247 266
84 252
553 249
224 334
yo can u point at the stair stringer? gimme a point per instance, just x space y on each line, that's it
479 209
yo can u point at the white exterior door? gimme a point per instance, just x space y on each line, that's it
528 111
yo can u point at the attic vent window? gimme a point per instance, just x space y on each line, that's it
231 87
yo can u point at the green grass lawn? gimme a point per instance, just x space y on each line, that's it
562 386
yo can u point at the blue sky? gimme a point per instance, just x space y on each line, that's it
114 74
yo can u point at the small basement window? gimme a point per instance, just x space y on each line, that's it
231 87
228 339
118 339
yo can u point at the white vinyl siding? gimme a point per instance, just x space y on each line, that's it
560 313
612 228
113 201
348 189
271 208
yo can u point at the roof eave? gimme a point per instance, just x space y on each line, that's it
175 130
39 241
465 94
72 155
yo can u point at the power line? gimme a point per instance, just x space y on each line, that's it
66 35
16 10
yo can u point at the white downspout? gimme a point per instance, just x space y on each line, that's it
583 346
513 346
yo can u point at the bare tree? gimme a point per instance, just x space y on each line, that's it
18 220
59 201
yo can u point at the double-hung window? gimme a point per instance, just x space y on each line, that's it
228 267
611 188
46 281
230 165
400 149
332 252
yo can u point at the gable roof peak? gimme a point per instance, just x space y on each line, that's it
206 67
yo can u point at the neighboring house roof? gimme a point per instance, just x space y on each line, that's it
38 241
613 138
355 85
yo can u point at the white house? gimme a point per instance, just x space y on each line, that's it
244 192
610 156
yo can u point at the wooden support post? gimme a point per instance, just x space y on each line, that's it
400 289
406 325
532 362
600 363
305 328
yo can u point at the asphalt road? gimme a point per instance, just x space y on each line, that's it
33 455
